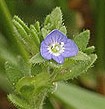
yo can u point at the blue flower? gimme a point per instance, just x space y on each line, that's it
57 46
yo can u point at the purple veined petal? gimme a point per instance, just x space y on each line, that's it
51 37
71 49
48 40
43 44
44 51
44 47
46 55
59 59
60 37
55 36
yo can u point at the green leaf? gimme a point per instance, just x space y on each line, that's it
30 91
53 64
56 18
37 26
82 40
79 98
23 66
53 21
24 81
36 102
13 73
81 56
38 87
35 35
24 36
63 29
72 68
47 20
4 83
16 18
90 50
45 32
19 101
36 69
21 35
16 71
39 81
20 28
37 59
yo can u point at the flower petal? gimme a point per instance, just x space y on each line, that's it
60 36
44 51
46 55
71 49
43 44
58 59
55 36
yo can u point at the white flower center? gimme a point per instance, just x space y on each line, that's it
56 48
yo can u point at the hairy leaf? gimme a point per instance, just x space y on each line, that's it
19 101
73 68
16 71
82 39
37 59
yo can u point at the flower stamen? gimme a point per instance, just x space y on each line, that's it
56 48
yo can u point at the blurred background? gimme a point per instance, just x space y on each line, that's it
78 15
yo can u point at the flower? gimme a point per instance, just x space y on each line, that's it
57 46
